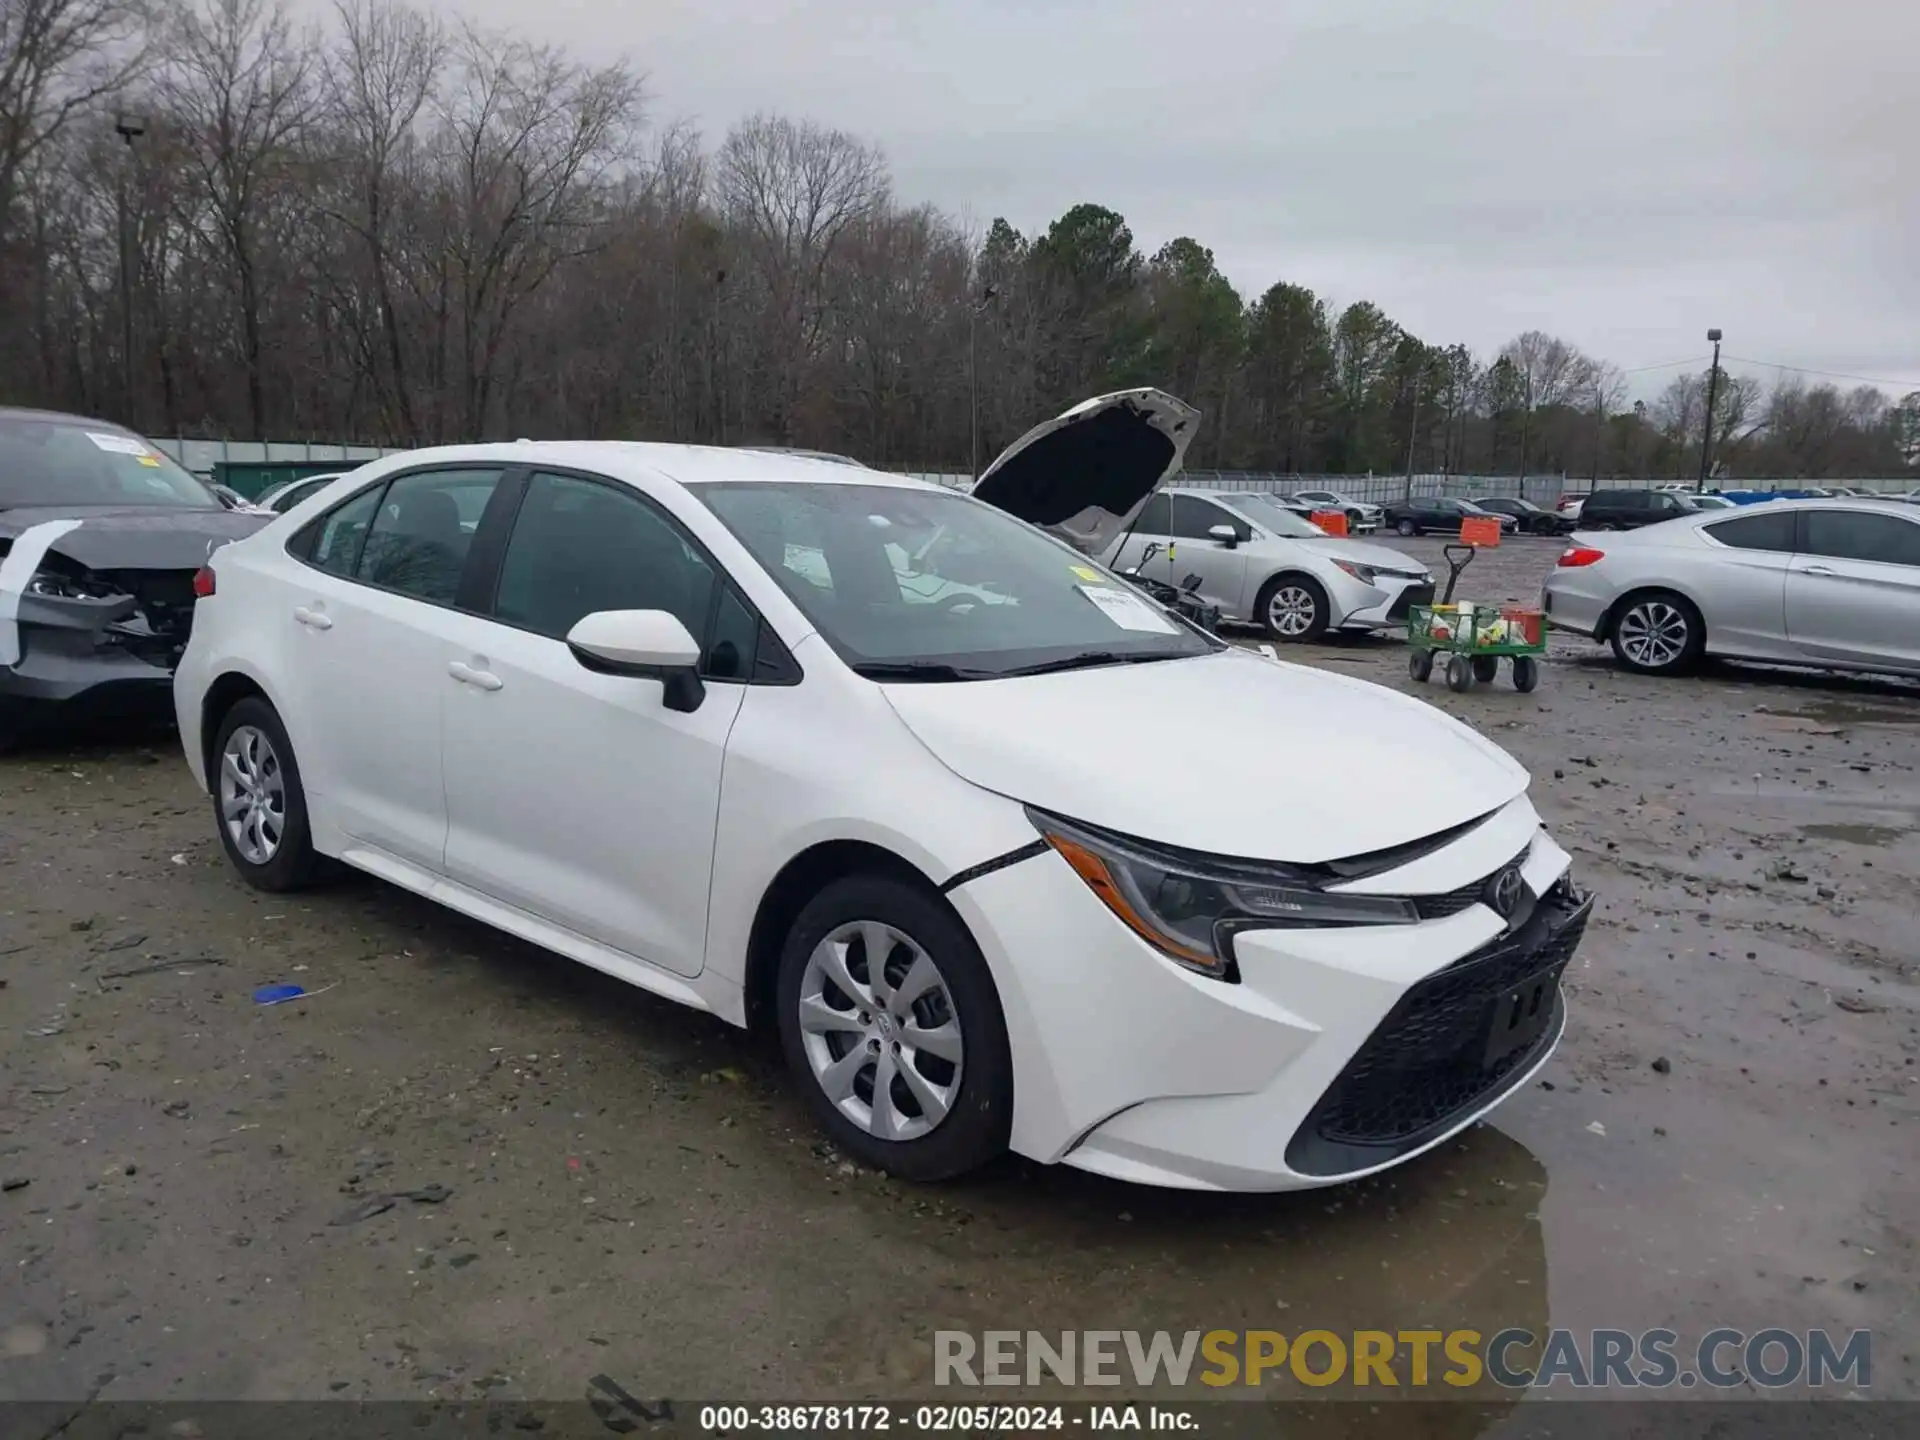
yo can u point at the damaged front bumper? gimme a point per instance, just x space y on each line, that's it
98 650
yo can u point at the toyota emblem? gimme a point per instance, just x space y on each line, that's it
1503 892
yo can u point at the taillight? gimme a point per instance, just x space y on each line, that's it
203 582
1577 555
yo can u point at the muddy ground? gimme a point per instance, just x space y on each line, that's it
1726 1137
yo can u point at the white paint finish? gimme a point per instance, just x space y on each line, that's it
19 566
636 637
572 809
1386 768
578 797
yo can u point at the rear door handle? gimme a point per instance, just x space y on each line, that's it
467 675
1818 570
312 619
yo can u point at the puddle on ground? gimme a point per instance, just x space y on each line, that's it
1835 710
1856 834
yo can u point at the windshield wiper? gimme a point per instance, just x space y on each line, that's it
919 670
1087 659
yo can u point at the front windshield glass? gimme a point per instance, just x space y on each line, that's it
55 461
1277 518
920 584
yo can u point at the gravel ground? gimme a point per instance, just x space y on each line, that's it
199 1197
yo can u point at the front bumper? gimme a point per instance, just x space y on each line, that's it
69 672
1127 1065
1383 604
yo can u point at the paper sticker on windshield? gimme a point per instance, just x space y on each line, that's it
153 460
1128 610
119 444
1091 576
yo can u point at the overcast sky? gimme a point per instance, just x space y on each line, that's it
1625 174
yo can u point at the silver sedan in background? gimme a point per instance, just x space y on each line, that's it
1827 583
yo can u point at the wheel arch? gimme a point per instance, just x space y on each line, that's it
228 689
792 886
1603 627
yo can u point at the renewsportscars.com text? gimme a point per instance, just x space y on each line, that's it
1516 1359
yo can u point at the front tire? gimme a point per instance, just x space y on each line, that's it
259 805
1406 528
1294 609
891 1023
1657 633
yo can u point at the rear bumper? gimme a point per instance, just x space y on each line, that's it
1571 605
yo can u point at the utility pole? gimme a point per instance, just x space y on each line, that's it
973 377
1706 437
129 128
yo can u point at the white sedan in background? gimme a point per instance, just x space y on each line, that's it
1262 564
1827 583
887 768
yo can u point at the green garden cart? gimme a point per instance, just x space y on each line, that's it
1474 637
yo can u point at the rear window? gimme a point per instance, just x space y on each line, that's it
61 462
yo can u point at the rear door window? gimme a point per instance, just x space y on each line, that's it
418 542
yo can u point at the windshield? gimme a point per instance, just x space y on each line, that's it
59 462
931 585
1275 517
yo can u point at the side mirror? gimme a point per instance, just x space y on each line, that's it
1225 534
646 644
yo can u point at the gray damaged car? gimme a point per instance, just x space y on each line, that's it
101 536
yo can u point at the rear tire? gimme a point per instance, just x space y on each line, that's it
827 984
1406 528
1293 609
259 806
1526 673
1486 669
1656 632
1459 674
1420 665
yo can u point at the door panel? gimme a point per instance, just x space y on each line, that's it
574 795
1222 569
368 616
1853 594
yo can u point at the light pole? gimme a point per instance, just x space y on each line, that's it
1713 386
973 378
129 128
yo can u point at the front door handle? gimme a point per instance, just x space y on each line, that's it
313 619
467 675
1817 570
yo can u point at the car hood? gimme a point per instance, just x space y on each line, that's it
1356 552
1203 754
136 537
1084 475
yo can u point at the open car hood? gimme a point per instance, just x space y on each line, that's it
1084 476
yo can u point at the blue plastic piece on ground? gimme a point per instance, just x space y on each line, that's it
274 994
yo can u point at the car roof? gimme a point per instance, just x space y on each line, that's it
680 464
17 412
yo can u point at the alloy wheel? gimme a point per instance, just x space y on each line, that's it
253 794
1291 611
1654 634
880 1030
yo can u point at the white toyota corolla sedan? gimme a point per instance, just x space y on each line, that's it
1009 855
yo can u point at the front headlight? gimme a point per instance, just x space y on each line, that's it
1189 907
54 585
1365 574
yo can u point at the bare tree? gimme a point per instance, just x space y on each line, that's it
1606 387
58 58
1549 371
793 189
237 88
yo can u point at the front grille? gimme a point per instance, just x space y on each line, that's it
1438 907
1427 1064
1411 596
